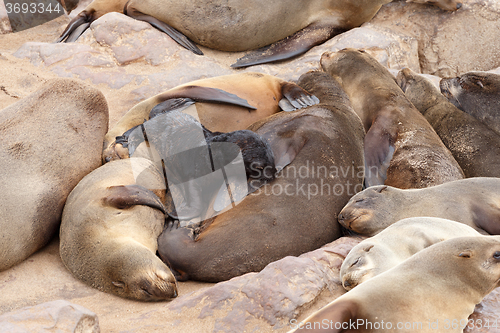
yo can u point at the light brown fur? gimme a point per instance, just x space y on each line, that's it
428 292
50 140
109 234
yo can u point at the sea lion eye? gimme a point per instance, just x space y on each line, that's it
356 262
496 255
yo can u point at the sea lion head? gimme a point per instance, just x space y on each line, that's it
357 266
467 90
450 5
367 212
257 154
420 91
137 275
476 260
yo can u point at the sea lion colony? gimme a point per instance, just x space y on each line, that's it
419 152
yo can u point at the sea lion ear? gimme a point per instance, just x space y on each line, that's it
285 150
337 314
126 196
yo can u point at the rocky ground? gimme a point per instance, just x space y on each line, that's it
129 61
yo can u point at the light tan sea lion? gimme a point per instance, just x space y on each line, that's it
401 147
109 229
291 215
395 244
237 25
473 144
50 140
472 201
224 104
435 290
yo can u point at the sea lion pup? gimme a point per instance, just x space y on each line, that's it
474 145
224 104
109 229
238 25
50 140
395 244
401 148
472 201
477 94
429 291
293 214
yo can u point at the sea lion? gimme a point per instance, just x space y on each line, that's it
401 148
294 213
434 290
50 140
191 157
477 94
395 244
474 145
247 97
238 25
109 229
472 201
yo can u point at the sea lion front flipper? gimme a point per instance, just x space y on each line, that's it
293 45
379 149
170 105
126 196
335 313
294 97
286 149
76 27
177 36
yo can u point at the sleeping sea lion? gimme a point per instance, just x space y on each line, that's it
395 244
295 213
401 148
224 104
474 145
50 140
476 93
109 229
472 201
434 290
238 25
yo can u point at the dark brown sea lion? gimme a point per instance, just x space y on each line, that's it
237 25
473 201
435 290
291 215
224 104
476 93
401 148
50 140
474 145
109 229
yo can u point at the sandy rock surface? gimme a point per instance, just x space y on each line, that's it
129 61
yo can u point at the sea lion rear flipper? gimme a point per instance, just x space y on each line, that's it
126 196
294 97
340 315
293 45
76 27
379 149
177 36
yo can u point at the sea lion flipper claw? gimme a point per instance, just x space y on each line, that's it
294 97
291 46
176 35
